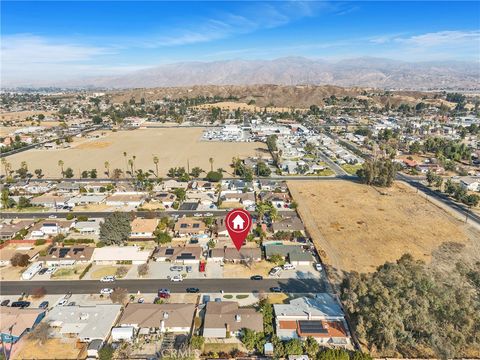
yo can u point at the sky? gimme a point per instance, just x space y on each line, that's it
61 40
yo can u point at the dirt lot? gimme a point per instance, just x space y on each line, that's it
243 271
174 147
358 228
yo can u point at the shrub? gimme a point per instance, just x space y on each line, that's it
69 217
85 271
39 292
196 342
39 242
142 269
19 259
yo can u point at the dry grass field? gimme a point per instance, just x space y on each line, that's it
231 105
356 227
174 147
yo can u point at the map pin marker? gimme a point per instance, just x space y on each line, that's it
238 223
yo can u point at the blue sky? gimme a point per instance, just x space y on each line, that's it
44 41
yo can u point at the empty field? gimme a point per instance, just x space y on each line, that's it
358 227
173 147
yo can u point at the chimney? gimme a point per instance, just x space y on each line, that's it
238 318
309 315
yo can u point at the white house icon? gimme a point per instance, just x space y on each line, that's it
238 223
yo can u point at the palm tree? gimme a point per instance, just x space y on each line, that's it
155 161
126 162
211 163
130 163
134 158
61 163
107 168
4 164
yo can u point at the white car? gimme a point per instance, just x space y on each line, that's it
288 267
108 278
51 270
176 278
106 291
52 217
318 267
63 302
198 215
275 271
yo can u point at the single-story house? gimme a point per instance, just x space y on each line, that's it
133 199
202 185
279 200
35 188
86 199
143 228
50 201
178 254
231 254
9 229
66 256
89 227
86 323
225 317
173 184
68 187
293 253
50 228
187 226
116 254
246 199
174 318
292 223
15 322
7 252
167 199
320 317
470 183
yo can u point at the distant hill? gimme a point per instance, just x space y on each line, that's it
359 72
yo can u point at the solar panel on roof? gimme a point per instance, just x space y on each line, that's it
77 250
63 252
169 252
311 327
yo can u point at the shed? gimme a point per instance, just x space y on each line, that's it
123 333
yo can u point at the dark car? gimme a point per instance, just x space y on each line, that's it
21 304
256 277
5 302
43 305
193 290
275 289
42 271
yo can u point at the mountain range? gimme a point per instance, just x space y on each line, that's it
359 72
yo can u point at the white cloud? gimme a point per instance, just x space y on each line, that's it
443 38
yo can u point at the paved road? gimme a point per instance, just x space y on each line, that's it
152 285
334 166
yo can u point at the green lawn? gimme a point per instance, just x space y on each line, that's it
351 169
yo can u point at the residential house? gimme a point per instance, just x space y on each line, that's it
320 317
50 201
143 228
35 188
86 199
149 318
246 199
85 323
279 200
224 319
202 185
131 199
167 199
7 253
169 185
68 187
291 224
67 256
16 322
9 229
295 254
89 227
231 254
50 228
187 226
470 183
111 255
178 254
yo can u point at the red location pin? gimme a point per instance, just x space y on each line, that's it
238 223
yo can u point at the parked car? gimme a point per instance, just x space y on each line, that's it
275 289
275 271
72 303
198 214
193 290
43 305
163 291
318 267
106 291
51 270
42 271
176 278
52 217
164 295
208 214
141 300
176 268
5 302
189 269
21 304
108 278
63 302
68 295
288 267
256 277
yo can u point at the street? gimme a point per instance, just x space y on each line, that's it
152 285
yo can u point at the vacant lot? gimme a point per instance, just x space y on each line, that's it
174 147
357 227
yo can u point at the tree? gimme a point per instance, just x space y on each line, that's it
69 173
106 165
115 230
119 296
39 173
19 259
39 292
117 173
471 200
106 352
6 203
248 338
40 333
333 354
293 347
263 169
84 174
196 342
210 160
196 171
311 347
60 164
378 172
93 173
142 269
155 162
214 176
23 202
163 237
180 193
